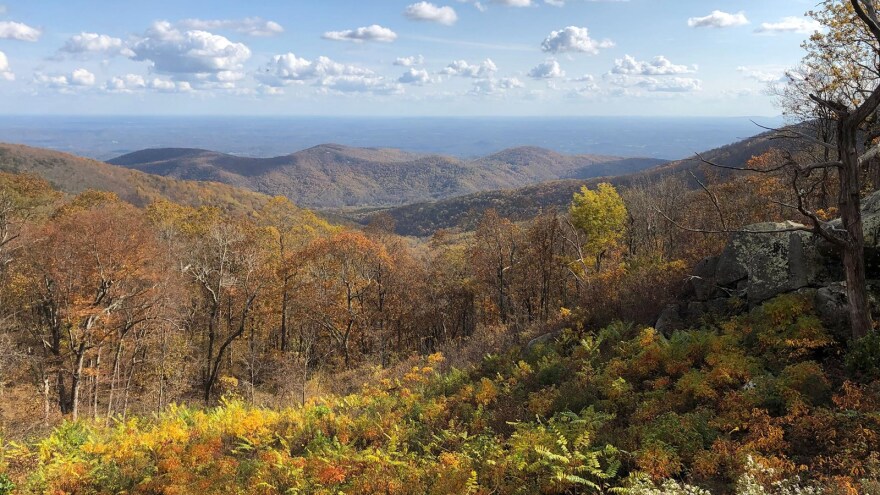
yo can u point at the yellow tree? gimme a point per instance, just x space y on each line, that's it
599 220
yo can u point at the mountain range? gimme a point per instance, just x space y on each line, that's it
423 193
426 217
72 174
336 176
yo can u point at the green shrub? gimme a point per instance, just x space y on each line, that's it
6 485
863 357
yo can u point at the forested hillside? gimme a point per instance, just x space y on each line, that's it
423 218
72 174
339 176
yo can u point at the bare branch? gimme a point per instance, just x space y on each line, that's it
869 155
714 200
797 135
739 169
793 228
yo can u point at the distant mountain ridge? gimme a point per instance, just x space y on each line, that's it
425 218
337 176
73 175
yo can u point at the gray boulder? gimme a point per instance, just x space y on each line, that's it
702 282
767 260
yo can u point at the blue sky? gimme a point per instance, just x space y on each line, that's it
397 58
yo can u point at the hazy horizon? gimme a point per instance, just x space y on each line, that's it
105 137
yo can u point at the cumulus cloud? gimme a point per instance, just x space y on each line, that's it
462 68
82 77
654 84
573 39
719 19
52 81
10 30
287 69
658 66
85 43
426 11
189 54
168 86
251 26
492 86
5 72
409 61
588 86
125 84
77 78
418 77
549 69
673 85
763 75
374 32
370 83
798 25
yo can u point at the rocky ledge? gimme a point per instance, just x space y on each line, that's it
769 259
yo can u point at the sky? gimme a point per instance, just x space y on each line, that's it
549 58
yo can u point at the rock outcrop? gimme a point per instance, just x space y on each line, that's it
769 259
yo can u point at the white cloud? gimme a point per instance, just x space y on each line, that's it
654 84
287 69
251 26
374 32
65 82
5 72
417 77
673 85
10 30
719 19
52 81
426 11
167 86
462 68
370 83
125 84
763 75
573 39
189 54
269 90
658 66
798 25
492 86
96 43
549 69
514 3
82 77
409 61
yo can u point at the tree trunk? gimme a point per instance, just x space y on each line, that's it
76 385
854 244
46 392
